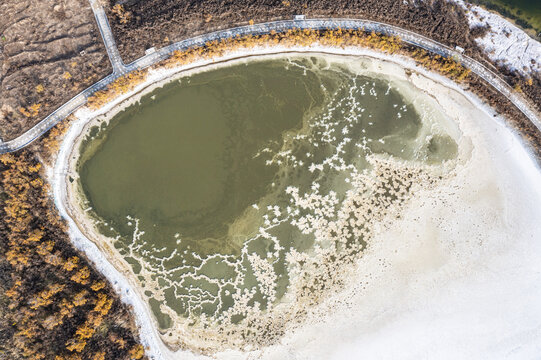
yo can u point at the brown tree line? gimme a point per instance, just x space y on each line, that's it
53 304
296 37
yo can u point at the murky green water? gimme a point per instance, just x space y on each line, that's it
527 13
239 190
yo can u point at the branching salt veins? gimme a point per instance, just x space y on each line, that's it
340 176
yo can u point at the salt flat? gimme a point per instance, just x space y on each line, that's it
455 277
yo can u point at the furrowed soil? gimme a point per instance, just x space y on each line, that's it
146 23
49 51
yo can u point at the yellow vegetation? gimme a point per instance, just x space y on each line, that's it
71 263
103 304
85 331
446 66
295 37
99 356
97 285
81 276
75 345
44 297
122 15
31 111
51 322
38 306
51 142
80 298
137 352
120 86
342 38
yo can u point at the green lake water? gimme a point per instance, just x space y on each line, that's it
216 187
527 13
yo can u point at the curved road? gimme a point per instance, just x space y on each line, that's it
120 69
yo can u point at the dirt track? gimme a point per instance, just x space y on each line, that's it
49 51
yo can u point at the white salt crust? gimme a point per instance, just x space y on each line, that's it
435 259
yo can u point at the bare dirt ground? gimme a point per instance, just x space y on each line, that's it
146 23
49 51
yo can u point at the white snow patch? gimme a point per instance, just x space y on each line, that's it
505 42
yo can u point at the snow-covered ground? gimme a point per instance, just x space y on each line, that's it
504 41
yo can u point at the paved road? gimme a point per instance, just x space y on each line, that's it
119 68
108 38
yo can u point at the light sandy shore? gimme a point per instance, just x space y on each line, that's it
443 282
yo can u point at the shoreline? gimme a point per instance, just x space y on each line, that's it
513 18
515 50
500 88
157 78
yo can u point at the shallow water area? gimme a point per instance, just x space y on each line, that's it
527 11
242 195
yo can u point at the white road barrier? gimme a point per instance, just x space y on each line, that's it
120 69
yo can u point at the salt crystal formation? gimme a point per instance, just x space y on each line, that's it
343 174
